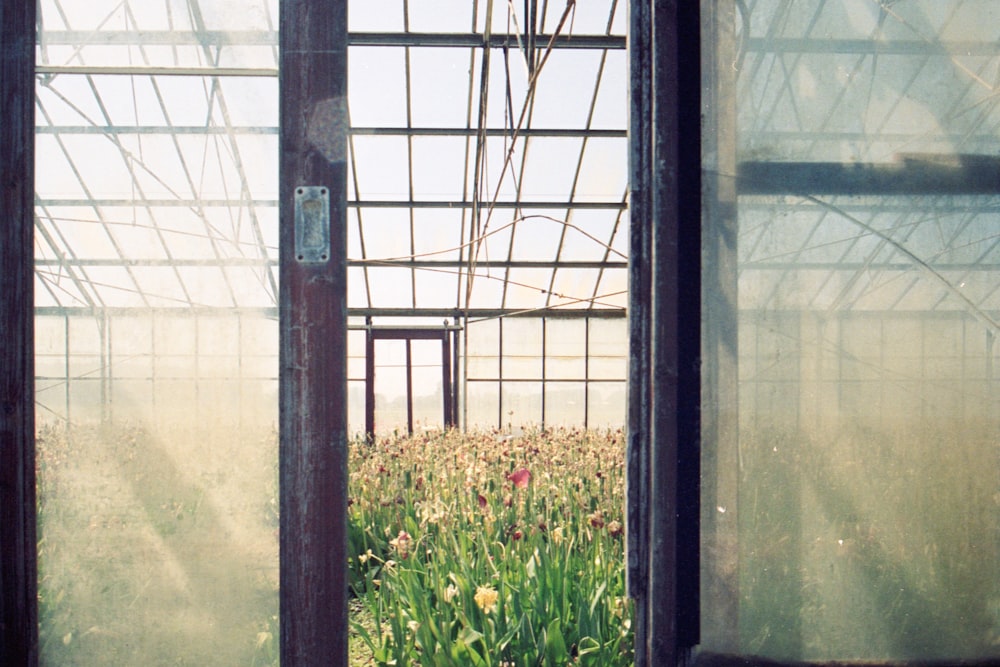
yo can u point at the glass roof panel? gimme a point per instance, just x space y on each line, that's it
574 287
110 33
375 16
376 82
604 170
440 83
439 231
537 234
439 168
387 233
167 165
436 288
441 16
549 168
391 287
382 167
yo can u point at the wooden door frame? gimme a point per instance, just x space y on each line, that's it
447 334
18 543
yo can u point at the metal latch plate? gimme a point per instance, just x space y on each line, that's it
312 224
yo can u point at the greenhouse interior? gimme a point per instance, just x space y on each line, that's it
491 255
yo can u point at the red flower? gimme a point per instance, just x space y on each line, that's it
520 478
482 501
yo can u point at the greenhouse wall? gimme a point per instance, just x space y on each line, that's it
169 366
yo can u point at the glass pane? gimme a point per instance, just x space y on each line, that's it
521 404
565 404
522 348
565 349
156 276
851 508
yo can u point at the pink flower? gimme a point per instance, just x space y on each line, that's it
520 478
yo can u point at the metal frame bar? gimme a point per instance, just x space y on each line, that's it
313 339
18 555
223 38
912 175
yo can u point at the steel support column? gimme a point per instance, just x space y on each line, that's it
313 325
18 573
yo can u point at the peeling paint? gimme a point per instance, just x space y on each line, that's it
328 127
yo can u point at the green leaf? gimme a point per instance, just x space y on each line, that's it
588 645
597 596
555 645
469 635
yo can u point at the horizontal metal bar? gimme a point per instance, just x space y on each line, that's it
911 175
472 40
590 133
943 137
868 46
270 38
873 204
166 203
854 267
492 264
758 265
120 261
402 204
554 380
270 312
408 334
578 313
200 38
88 70
386 327
476 313
357 131
153 129
600 205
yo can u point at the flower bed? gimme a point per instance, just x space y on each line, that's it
489 549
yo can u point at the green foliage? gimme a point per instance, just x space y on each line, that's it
483 549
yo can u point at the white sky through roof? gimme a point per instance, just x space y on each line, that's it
157 154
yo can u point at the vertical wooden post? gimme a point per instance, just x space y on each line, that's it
313 325
640 206
18 573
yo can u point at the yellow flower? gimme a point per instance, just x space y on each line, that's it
450 593
402 544
486 597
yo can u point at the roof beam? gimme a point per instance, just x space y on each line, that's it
871 47
218 38
911 175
